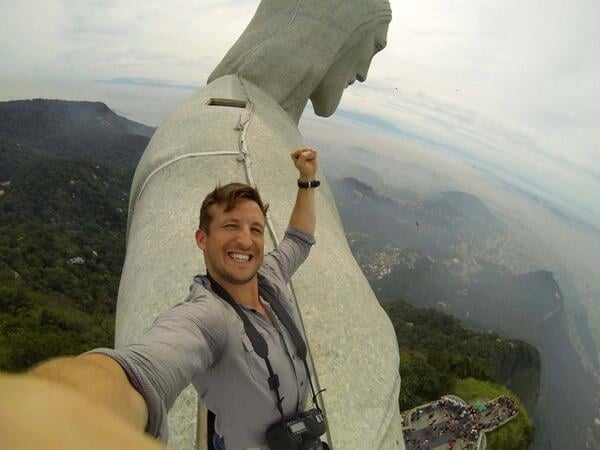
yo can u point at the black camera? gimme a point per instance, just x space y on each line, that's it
300 433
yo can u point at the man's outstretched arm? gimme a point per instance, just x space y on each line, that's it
303 216
100 378
70 404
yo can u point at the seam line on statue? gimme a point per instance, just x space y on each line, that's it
245 155
180 157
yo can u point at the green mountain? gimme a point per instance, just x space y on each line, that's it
62 227
436 350
439 356
85 130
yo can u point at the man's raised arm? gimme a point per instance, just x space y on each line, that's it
303 216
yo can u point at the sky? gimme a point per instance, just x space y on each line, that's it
509 88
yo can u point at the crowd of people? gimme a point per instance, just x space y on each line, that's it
498 411
451 422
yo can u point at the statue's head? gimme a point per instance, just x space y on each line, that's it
300 49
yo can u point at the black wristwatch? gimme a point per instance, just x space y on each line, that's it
308 184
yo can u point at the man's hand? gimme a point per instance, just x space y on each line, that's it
305 160
304 216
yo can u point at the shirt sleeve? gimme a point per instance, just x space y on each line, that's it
291 252
183 341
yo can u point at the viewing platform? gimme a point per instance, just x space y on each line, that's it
451 423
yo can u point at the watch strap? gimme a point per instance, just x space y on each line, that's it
308 184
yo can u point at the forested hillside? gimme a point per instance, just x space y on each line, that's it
62 227
86 130
436 350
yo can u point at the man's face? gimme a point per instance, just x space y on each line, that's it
234 246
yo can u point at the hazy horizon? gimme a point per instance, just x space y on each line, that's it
509 88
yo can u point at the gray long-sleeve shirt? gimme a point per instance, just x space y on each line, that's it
202 341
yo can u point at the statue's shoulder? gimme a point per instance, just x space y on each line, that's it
235 95
225 92
228 117
214 118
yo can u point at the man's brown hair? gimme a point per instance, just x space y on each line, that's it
228 195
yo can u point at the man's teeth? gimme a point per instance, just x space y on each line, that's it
240 257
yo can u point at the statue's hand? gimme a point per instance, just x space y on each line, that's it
305 160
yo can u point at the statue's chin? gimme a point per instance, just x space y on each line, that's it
325 106
321 113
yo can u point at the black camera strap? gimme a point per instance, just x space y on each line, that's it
258 342
273 299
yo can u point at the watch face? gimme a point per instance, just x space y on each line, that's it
297 427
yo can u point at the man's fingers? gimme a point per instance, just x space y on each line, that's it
309 155
297 154
305 153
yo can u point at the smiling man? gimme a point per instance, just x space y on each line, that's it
231 236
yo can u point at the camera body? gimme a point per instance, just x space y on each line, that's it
299 433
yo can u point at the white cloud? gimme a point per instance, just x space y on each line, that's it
516 85
28 36
180 40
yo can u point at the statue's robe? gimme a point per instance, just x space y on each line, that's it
351 340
